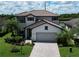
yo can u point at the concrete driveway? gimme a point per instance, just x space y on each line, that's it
45 50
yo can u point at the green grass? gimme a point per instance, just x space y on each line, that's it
64 52
5 49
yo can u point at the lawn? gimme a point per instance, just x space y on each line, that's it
64 52
5 49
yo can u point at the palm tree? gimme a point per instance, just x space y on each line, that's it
66 37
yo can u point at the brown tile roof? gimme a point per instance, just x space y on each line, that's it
22 14
37 13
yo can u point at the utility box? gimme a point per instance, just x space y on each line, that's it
70 50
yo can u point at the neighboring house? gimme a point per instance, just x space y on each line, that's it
72 23
39 25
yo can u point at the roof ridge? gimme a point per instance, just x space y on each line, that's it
21 12
38 13
43 10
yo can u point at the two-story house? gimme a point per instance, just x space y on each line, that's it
39 25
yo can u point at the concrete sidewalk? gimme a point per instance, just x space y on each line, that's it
45 50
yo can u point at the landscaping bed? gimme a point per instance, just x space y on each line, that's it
6 49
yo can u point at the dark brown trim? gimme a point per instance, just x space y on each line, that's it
29 14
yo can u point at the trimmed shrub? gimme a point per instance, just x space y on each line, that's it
21 33
14 40
18 39
8 40
15 49
62 41
77 42
30 44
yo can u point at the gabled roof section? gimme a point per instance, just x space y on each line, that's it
39 23
37 13
53 24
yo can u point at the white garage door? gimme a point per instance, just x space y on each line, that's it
46 37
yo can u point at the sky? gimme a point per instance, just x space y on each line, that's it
58 7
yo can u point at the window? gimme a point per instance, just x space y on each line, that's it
54 18
46 27
21 19
30 18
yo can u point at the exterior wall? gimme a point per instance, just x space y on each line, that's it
42 29
43 17
26 23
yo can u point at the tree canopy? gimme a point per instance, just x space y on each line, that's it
11 24
65 17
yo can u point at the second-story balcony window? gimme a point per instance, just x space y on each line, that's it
30 19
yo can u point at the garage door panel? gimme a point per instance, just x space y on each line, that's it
47 37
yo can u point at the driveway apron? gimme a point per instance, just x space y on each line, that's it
45 50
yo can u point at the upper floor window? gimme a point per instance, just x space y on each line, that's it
54 18
21 19
30 19
46 27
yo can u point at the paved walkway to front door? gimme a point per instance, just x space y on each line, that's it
45 50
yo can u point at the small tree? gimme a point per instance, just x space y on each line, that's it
11 25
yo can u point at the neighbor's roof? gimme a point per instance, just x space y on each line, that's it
37 13
73 22
34 25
